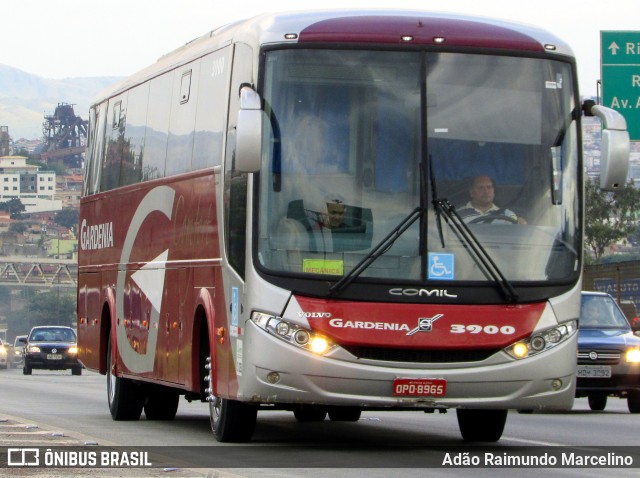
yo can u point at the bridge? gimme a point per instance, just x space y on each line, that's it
38 272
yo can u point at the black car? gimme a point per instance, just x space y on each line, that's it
608 354
51 348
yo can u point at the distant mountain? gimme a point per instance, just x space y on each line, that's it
25 99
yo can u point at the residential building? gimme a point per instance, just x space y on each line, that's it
19 180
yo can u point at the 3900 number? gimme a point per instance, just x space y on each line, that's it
482 329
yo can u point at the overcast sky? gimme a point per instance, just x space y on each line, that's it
82 38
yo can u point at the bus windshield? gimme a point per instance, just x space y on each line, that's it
358 140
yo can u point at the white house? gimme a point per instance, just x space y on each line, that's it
19 180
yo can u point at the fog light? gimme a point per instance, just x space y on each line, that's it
556 384
273 377
520 350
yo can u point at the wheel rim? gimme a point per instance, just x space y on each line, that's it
215 409
111 379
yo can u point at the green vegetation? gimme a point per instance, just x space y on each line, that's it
43 308
609 218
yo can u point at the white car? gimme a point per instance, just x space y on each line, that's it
17 354
4 355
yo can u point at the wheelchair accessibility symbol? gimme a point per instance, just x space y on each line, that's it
441 266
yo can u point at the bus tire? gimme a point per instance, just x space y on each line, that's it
481 425
161 403
344 414
597 402
124 396
231 420
309 413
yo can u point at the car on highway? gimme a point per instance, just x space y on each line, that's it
51 347
608 353
17 354
4 355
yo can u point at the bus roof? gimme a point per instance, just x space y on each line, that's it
371 27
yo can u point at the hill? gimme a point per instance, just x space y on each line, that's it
26 98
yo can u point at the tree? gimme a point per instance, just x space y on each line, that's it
67 217
609 217
45 308
14 207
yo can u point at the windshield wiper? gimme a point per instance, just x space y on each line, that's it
443 207
383 246
448 210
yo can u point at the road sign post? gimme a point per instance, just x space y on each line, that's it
620 73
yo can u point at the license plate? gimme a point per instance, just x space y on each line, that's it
54 357
594 371
419 387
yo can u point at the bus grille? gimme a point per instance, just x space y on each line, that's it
419 356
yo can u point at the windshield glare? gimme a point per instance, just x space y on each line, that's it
353 139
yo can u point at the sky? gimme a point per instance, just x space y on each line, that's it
88 38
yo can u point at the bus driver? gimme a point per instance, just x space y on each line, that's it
481 207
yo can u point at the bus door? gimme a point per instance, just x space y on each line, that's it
228 354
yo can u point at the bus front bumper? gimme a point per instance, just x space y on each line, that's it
273 371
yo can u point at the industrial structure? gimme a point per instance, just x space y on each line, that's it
5 141
65 136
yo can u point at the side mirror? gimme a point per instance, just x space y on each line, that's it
22 340
614 156
249 132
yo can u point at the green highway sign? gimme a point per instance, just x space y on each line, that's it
620 69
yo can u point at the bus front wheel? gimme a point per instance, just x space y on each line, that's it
481 425
232 421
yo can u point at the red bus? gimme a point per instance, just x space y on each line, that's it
272 219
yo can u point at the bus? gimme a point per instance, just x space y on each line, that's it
270 221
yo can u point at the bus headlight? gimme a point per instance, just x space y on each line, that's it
543 340
293 333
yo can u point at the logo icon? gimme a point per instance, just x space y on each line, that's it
23 457
425 324
441 266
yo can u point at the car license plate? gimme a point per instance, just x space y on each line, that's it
419 387
54 357
594 371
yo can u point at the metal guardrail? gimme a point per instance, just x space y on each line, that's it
38 272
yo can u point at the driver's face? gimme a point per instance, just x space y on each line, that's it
482 192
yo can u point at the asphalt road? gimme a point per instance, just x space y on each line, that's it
65 410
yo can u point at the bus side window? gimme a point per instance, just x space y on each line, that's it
183 119
95 153
116 143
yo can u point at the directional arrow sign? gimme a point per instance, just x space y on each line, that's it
620 65
150 279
